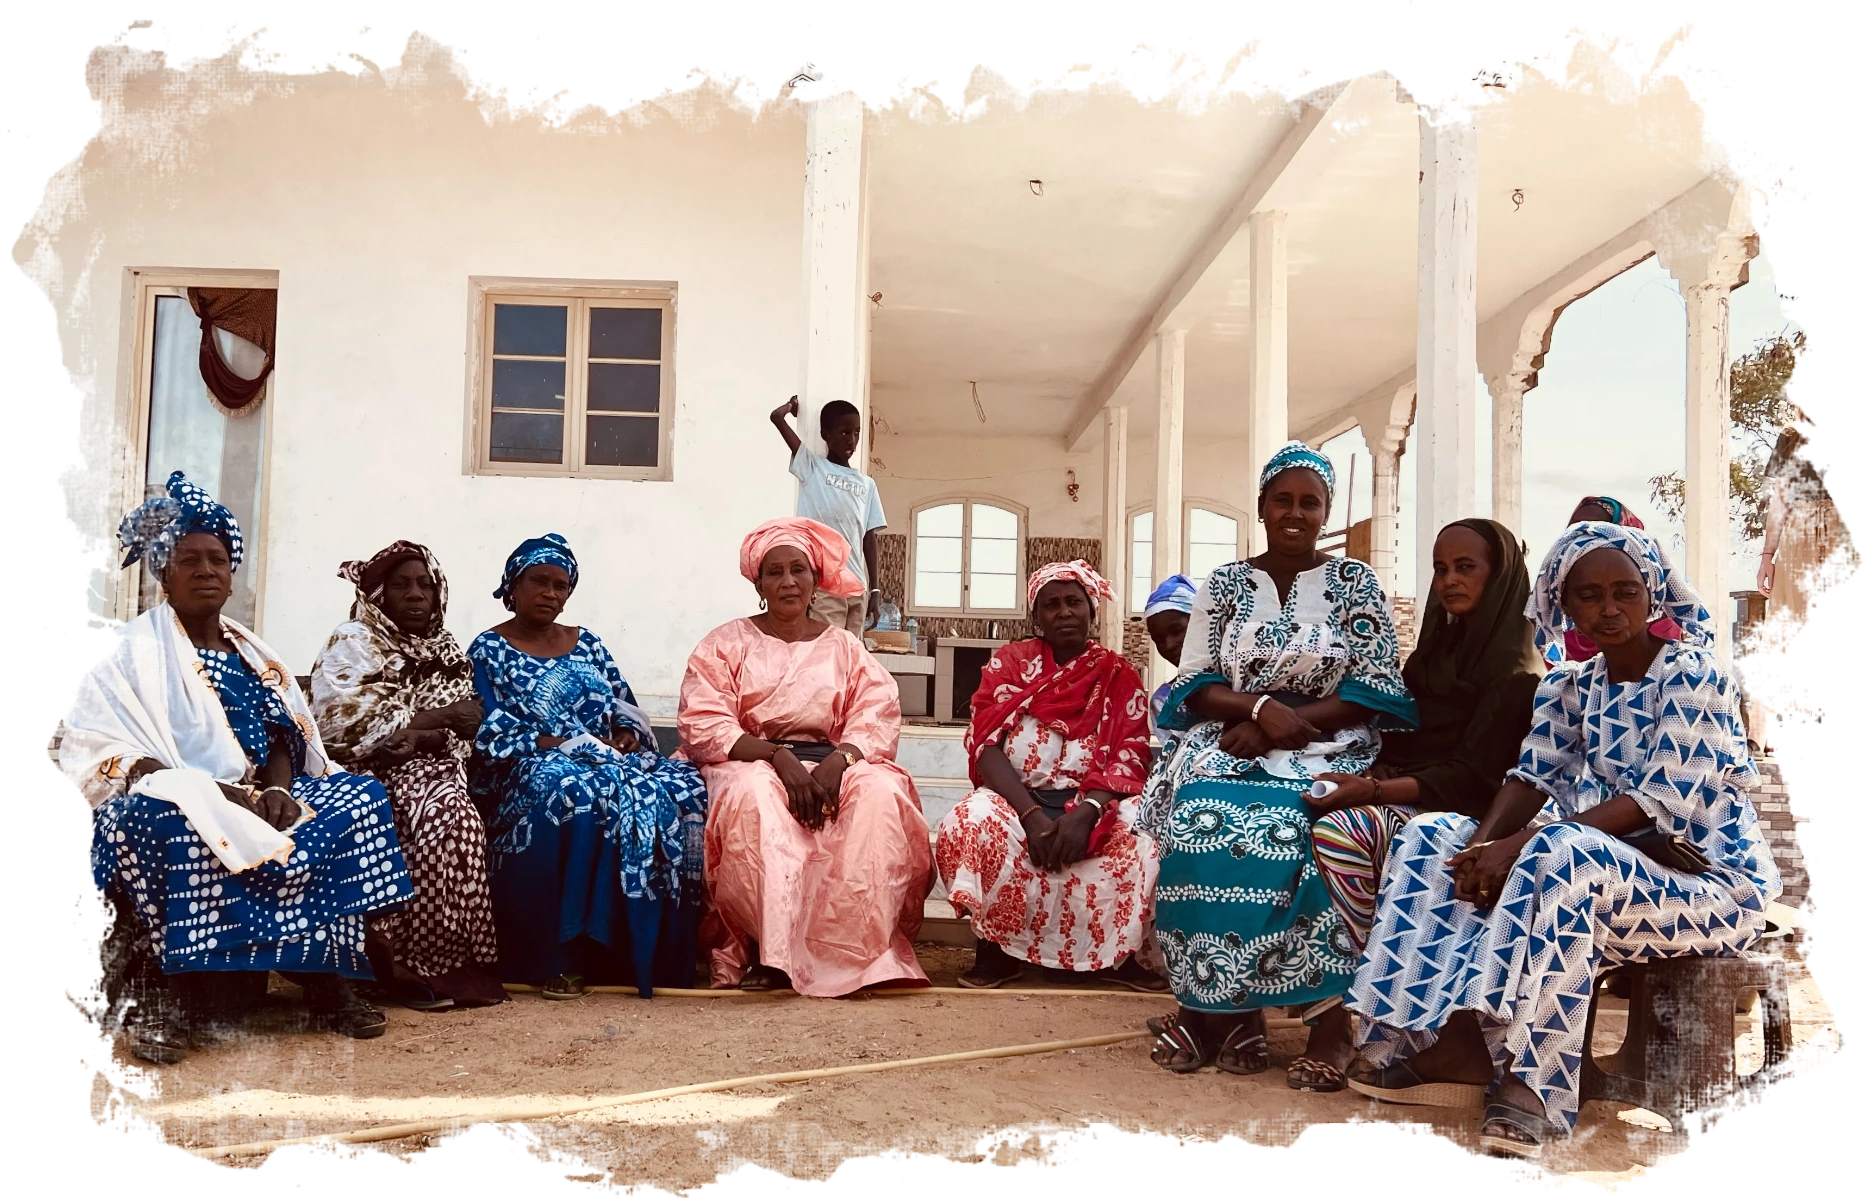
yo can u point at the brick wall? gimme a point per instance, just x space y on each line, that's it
1782 830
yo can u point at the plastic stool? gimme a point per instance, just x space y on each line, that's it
1679 1050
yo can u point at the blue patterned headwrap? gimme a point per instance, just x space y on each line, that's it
548 550
1670 593
1174 594
1296 455
149 533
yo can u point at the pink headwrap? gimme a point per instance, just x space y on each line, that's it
826 549
1097 588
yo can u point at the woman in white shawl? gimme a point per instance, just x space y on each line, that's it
221 827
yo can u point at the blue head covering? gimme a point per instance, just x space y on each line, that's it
1296 455
548 550
1670 593
1174 594
149 533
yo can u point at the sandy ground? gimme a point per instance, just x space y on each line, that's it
529 1054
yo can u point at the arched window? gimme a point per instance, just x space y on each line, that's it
967 558
1213 536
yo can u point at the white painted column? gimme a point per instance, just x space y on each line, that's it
1268 362
1384 550
1113 528
834 261
1168 495
1446 331
1505 466
1705 456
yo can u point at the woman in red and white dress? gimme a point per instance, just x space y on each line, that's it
1042 856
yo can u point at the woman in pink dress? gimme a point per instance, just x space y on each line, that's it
817 854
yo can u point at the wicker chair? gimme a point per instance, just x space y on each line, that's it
1678 1057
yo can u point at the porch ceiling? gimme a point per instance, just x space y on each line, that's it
1032 296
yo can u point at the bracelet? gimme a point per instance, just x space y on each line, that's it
1099 807
1378 791
280 789
1257 709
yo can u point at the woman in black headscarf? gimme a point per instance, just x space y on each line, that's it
1473 674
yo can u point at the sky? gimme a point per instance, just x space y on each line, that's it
1616 364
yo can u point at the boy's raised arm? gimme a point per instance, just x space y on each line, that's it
780 417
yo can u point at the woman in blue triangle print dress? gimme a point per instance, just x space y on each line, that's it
1478 976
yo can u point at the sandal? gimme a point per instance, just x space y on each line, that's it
564 987
1331 1079
1250 1052
761 979
1175 1036
991 968
1398 1082
425 999
358 1020
160 1042
1134 976
1531 1131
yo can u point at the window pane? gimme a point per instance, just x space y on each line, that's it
1205 558
623 441
1142 527
990 556
987 521
619 388
996 591
935 590
941 554
1142 573
624 333
1212 528
527 384
535 330
526 437
946 520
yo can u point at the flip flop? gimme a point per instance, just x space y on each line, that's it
1333 1080
761 979
1398 1082
564 987
1536 1128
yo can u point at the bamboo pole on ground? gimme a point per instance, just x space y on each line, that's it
395 1131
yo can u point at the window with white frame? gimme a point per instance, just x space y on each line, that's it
967 558
573 379
1212 538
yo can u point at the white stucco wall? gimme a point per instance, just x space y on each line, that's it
375 207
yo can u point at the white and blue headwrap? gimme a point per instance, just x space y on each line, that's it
149 533
1297 455
548 550
1174 594
1670 593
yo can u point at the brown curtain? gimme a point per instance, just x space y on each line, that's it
249 313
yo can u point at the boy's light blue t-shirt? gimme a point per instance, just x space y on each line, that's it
842 498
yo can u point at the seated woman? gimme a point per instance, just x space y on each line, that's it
1480 969
1168 618
1473 675
1042 856
1574 645
596 838
392 693
1290 657
817 853
193 724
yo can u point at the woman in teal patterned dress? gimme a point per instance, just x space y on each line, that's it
1290 661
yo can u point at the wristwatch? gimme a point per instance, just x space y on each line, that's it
845 756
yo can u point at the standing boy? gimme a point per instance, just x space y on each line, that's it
840 496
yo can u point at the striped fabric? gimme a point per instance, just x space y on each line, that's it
1349 849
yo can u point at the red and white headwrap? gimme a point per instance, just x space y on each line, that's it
1097 588
826 549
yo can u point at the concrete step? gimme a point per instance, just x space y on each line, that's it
943 925
931 751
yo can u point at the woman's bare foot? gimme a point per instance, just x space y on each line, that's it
991 968
1459 1055
1321 1067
